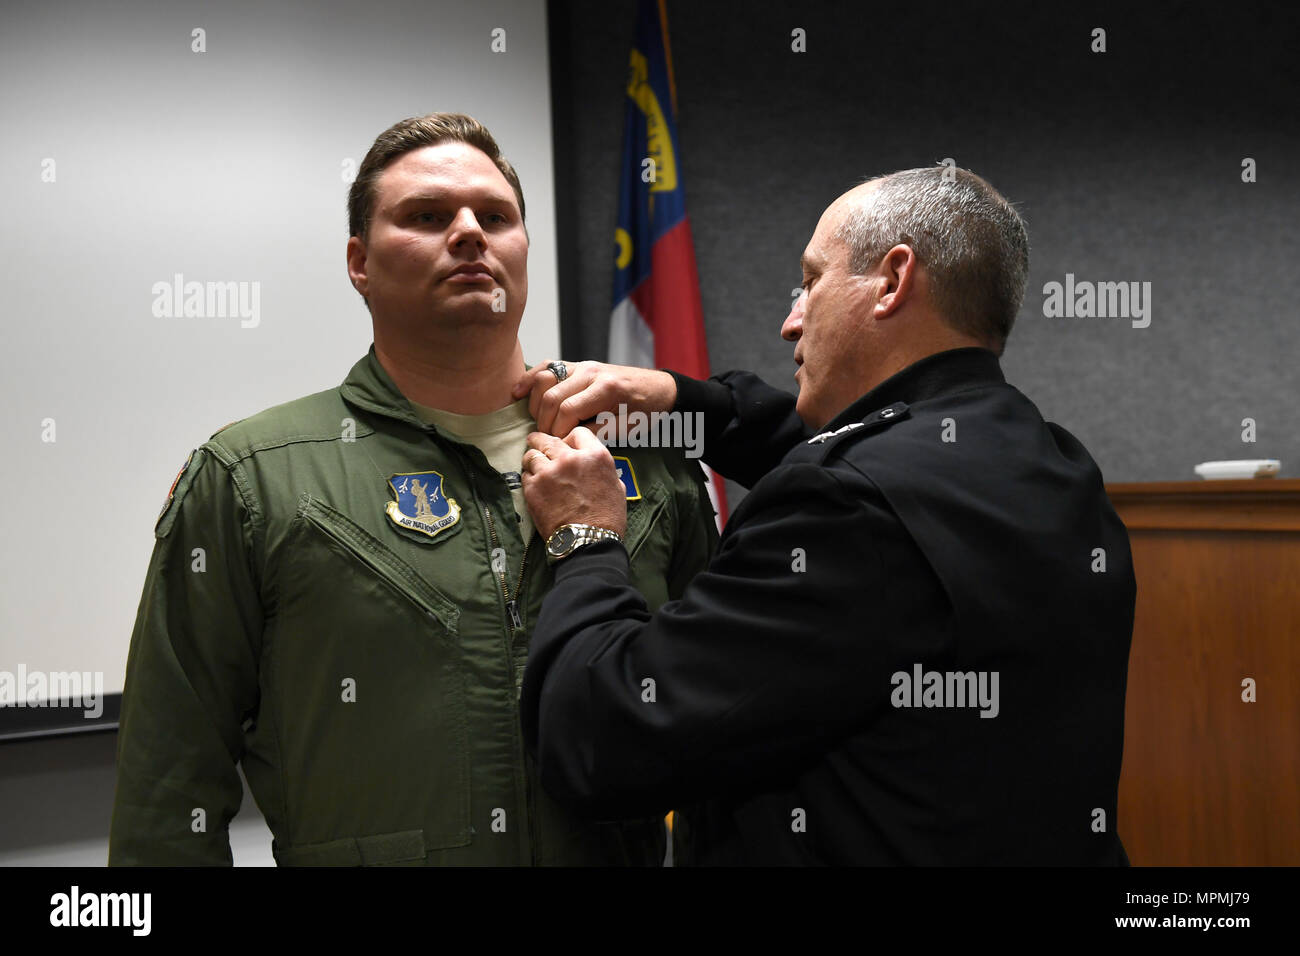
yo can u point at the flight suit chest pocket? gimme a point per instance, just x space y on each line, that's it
649 548
367 677
379 558
643 516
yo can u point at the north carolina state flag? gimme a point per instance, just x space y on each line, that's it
657 321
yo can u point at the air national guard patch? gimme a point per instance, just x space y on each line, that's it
421 504
626 475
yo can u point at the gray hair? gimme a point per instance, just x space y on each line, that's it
971 241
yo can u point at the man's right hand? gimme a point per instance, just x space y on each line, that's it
589 389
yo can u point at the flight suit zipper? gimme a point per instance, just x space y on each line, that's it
517 626
512 603
516 623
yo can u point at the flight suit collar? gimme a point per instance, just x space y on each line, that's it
939 374
370 387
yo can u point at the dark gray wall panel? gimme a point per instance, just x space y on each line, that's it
1126 166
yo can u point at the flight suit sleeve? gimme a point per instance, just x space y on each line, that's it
748 425
191 678
784 643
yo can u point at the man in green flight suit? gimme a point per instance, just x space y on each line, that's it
342 587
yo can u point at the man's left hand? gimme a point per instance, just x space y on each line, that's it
572 481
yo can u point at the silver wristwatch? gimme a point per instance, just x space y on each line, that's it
567 538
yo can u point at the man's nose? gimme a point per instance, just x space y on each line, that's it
792 327
465 227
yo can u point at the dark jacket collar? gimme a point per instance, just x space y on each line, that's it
939 374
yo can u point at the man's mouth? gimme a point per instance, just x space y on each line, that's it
471 272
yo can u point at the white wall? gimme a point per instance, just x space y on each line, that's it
226 165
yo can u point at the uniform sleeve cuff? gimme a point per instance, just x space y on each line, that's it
701 395
590 557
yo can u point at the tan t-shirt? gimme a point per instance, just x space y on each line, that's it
502 437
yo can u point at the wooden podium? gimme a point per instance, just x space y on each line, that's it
1209 779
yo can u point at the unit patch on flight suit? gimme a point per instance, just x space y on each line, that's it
174 494
628 477
421 504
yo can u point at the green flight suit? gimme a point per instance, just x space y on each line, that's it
366 674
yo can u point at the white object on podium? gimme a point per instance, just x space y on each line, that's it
1246 468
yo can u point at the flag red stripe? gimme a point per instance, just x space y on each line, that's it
669 300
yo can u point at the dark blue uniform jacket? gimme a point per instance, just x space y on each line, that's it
910 648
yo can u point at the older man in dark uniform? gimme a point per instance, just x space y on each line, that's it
912 644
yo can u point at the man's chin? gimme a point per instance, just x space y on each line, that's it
807 415
474 309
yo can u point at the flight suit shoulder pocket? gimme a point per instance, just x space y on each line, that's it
379 558
382 849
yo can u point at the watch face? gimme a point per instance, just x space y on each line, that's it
561 542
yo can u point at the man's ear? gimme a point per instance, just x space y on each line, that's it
898 271
356 257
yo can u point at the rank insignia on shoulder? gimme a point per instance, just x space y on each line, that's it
421 503
818 439
883 416
626 475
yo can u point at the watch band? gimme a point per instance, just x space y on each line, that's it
567 538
